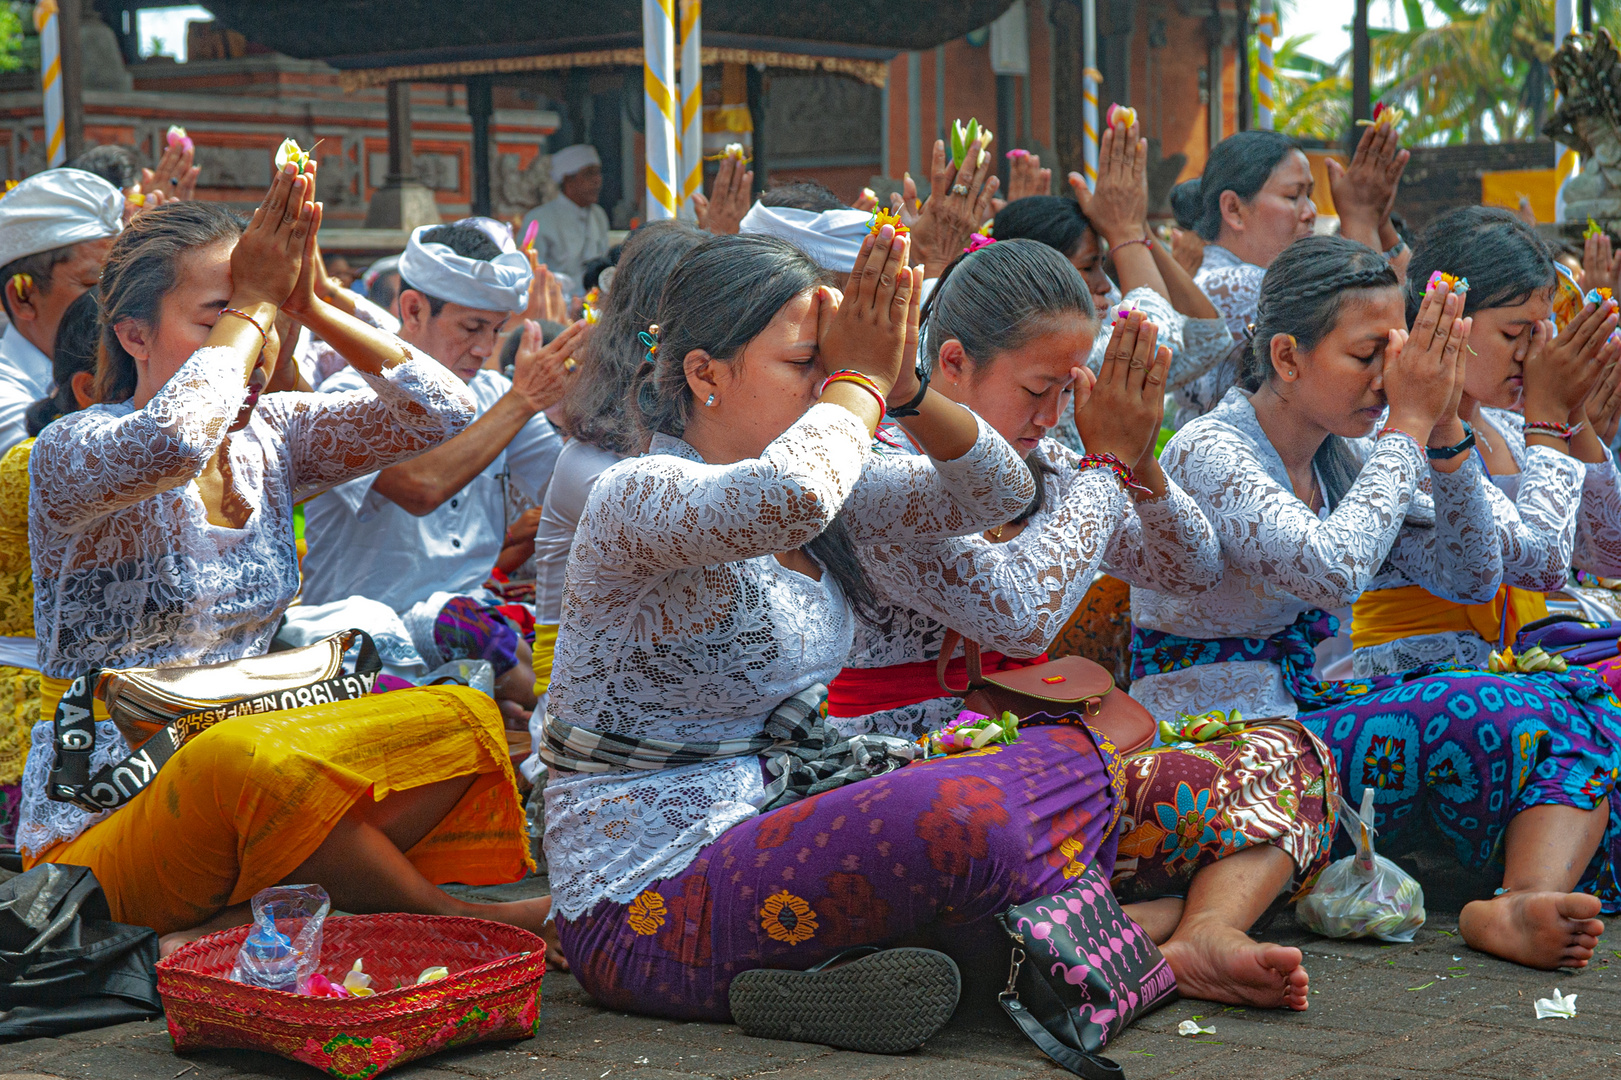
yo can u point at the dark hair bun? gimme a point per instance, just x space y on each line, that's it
1187 201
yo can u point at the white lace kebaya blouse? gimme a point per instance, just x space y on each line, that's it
1234 286
1015 597
128 570
679 623
1280 559
1556 509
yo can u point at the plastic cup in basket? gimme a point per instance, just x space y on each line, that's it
492 993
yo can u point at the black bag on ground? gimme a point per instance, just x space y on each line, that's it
1082 972
64 964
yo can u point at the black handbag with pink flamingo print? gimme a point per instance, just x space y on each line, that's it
1082 972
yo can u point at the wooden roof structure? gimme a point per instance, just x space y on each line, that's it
378 41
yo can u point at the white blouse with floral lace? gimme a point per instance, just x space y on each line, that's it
1280 559
128 570
1554 513
1015 597
679 623
1234 286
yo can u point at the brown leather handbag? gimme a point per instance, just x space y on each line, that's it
1069 688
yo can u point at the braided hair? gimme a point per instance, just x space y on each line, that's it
1301 297
1503 258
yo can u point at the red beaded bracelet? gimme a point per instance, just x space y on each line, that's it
1382 432
1121 470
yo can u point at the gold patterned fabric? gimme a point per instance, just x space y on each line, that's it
19 687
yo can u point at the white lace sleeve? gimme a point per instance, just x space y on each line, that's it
103 462
1598 524
664 511
412 407
1267 532
1537 529
900 497
1011 597
1165 543
1455 558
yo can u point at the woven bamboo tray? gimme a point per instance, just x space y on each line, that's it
492 993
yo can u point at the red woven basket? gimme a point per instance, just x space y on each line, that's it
493 992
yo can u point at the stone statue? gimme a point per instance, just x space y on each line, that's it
1587 71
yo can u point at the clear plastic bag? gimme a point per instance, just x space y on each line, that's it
1363 895
284 948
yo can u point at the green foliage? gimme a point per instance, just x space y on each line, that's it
19 45
1462 70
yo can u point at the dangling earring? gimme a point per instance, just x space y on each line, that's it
710 400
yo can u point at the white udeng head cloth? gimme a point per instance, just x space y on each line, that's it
571 159
57 208
831 238
498 284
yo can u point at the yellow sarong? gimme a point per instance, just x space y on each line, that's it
244 804
1392 614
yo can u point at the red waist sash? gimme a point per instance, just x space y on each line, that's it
859 691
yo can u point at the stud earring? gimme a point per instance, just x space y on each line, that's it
710 400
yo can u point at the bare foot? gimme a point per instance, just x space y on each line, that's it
530 915
1158 917
1538 929
1216 962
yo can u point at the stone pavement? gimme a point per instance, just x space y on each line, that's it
1378 1012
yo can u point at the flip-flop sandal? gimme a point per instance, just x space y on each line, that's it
883 1002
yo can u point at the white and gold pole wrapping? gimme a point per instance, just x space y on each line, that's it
1266 28
48 23
658 81
692 100
1091 77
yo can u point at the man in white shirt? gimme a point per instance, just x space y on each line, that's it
422 536
573 228
56 229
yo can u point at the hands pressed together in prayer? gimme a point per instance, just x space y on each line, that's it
1423 373
721 212
1120 410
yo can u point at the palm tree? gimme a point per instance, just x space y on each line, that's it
1312 97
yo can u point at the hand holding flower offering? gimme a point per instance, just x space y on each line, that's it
1453 282
289 150
1383 116
1120 117
964 137
176 138
882 217
1593 229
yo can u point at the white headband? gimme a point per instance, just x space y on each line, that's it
832 238
498 284
56 208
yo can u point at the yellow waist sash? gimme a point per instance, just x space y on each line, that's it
1392 614
545 642
50 694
